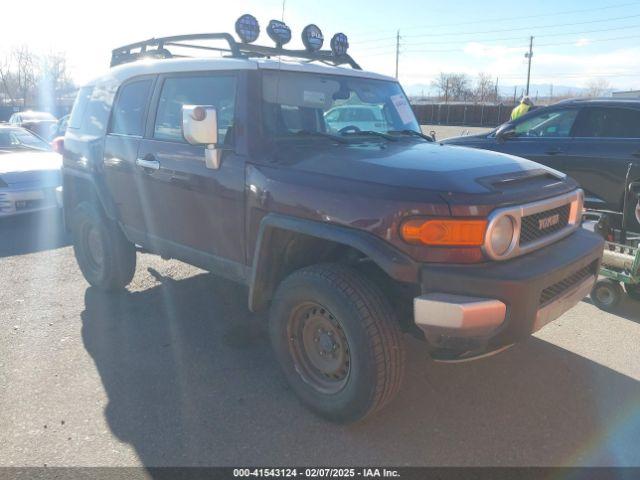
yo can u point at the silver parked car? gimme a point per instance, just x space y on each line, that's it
29 172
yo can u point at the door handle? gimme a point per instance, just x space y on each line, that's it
636 154
148 164
553 151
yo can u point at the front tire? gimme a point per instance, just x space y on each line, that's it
338 342
105 257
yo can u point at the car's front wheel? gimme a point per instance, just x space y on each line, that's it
337 340
106 258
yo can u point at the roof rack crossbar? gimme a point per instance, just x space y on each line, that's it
127 53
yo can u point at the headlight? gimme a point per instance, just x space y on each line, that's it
502 235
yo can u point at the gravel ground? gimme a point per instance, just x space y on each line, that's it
178 372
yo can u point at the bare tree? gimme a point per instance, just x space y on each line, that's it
7 81
24 70
452 86
54 80
597 87
25 78
441 84
485 90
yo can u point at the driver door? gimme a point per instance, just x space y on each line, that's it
544 137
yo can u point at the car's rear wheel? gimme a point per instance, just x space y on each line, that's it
106 258
338 342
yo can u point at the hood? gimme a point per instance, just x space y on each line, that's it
24 166
429 166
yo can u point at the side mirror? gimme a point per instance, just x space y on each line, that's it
200 127
505 132
634 189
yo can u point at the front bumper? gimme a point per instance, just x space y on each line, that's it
15 201
467 311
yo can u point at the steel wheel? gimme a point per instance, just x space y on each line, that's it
94 247
319 348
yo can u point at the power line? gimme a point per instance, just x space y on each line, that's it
524 28
517 47
457 34
494 40
501 19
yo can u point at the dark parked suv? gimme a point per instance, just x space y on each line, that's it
349 238
595 141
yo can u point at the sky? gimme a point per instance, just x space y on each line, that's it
575 41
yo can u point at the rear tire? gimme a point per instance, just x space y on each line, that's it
338 342
105 257
606 294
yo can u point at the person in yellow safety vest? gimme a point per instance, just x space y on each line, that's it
524 107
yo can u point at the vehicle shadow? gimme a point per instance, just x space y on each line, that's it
32 233
628 308
191 381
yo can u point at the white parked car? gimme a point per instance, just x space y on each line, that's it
29 172
358 117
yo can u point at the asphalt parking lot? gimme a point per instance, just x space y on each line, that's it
178 372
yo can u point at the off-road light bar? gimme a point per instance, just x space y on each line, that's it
279 32
247 28
312 38
339 44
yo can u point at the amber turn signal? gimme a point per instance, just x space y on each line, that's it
444 232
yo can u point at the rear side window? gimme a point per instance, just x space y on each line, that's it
79 107
130 108
216 90
91 109
602 122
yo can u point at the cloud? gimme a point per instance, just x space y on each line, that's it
621 67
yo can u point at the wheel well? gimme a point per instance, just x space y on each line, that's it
75 191
290 251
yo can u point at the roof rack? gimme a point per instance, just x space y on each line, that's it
157 48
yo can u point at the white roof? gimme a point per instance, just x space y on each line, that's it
125 71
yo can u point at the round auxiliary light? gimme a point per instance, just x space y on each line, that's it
279 32
312 38
339 44
502 235
247 28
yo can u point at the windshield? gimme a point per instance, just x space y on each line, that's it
297 103
13 138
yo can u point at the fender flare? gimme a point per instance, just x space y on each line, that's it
392 261
100 191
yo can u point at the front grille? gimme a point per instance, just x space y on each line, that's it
557 289
534 227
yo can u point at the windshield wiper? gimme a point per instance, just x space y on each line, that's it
313 133
413 133
371 133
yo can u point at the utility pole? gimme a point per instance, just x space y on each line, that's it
397 51
528 55
497 96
